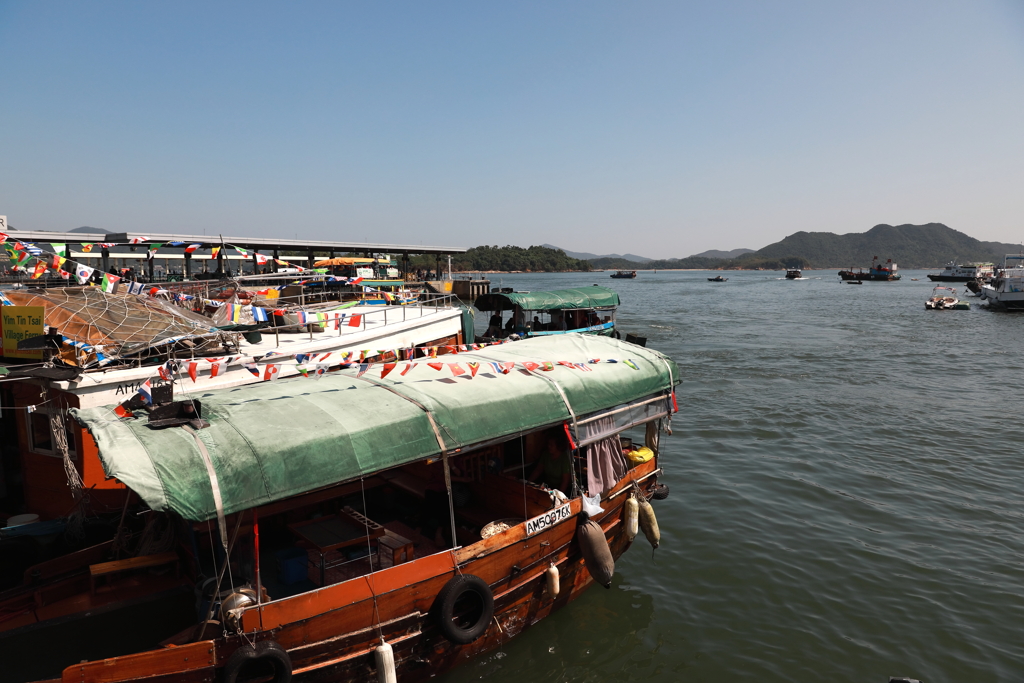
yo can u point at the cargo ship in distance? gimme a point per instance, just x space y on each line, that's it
878 271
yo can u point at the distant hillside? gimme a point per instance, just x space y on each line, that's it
909 246
508 258
715 253
590 257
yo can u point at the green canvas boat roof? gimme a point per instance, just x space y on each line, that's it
580 297
274 440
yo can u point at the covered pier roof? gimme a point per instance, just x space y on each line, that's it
254 243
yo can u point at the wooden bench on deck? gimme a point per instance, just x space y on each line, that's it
141 562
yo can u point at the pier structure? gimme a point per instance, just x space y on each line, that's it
177 258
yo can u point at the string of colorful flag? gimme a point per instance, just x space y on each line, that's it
347 360
21 253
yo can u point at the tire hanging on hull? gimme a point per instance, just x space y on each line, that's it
445 608
267 652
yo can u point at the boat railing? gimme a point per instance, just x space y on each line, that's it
383 315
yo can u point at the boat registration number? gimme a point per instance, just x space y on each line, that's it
548 519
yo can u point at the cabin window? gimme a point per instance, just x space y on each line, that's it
41 438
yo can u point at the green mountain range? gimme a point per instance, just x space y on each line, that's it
909 246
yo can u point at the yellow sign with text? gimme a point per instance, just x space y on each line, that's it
17 323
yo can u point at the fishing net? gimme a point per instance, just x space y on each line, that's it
115 324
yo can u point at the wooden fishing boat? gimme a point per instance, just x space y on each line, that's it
586 310
330 479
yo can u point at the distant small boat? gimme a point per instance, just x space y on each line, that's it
793 274
717 279
624 274
854 282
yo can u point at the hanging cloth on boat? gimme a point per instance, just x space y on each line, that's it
605 464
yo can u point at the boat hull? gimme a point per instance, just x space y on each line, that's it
873 277
951 278
330 634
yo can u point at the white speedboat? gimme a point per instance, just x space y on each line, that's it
963 273
944 299
1006 290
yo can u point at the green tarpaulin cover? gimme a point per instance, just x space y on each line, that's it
559 299
273 440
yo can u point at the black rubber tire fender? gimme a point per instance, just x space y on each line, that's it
616 333
444 608
659 491
266 650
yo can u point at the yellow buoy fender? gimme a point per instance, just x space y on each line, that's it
551 574
630 513
384 658
649 524
596 553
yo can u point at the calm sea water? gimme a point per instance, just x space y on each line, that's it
847 493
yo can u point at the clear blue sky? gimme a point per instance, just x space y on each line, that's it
658 128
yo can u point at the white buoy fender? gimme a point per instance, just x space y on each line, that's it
551 574
596 553
649 523
631 512
384 658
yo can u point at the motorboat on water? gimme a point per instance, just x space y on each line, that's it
963 273
586 310
944 299
1006 289
623 274
793 274
718 279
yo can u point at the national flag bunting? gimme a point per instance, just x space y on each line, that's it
217 366
192 247
271 372
110 283
146 391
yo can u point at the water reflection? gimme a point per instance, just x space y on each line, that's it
598 637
